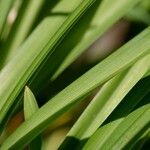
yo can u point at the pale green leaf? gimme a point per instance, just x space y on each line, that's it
137 95
115 63
22 26
5 6
109 96
27 61
30 104
106 15
72 39
129 128
30 107
89 28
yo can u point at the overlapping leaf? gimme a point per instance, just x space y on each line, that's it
120 136
30 61
115 63
27 15
105 102
43 47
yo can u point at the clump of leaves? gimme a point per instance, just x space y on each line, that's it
42 42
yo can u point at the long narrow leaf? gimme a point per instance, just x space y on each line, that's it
30 61
74 37
5 6
27 15
106 101
138 145
47 29
114 64
106 15
136 96
91 26
131 126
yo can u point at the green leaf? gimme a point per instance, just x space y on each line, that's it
139 14
30 107
127 130
106 15
138 145
135 98
22 26
30 104
115 63
51 25
74 37
5 6
89 28
109 96
29 60
147 74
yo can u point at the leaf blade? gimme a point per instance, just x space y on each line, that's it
130 126
21 27
81 87
30 61
30 107
107 99
106 15
5 6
